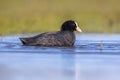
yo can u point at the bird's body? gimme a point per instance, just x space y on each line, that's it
65 37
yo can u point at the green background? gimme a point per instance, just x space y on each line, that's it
33 16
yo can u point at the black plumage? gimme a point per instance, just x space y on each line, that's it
65 37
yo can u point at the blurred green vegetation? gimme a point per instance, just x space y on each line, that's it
31 16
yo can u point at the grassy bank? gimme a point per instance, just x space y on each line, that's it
31 16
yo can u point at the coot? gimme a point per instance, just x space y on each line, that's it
65 37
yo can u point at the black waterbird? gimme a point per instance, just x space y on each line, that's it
63 38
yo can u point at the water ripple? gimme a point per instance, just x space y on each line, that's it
13 45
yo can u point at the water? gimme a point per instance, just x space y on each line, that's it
94 57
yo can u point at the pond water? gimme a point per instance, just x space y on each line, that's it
94 57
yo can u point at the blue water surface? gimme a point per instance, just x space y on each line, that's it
94 57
